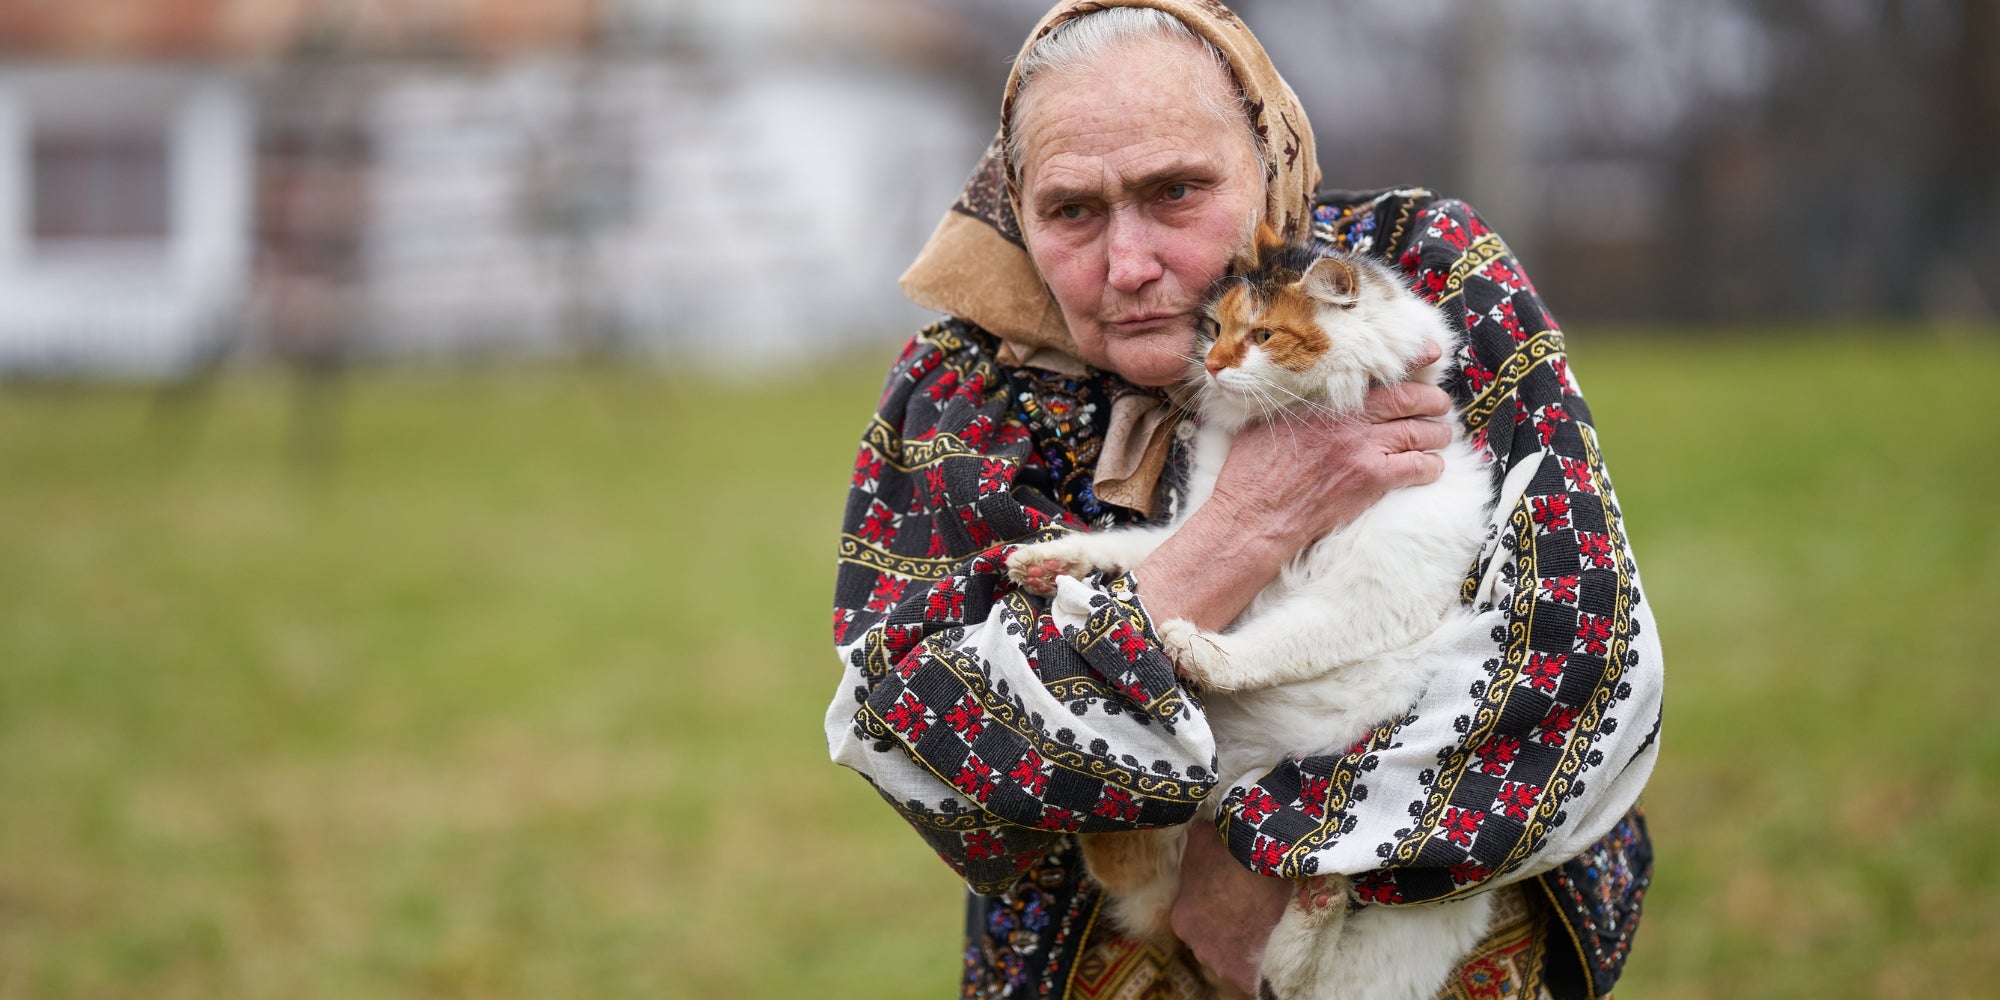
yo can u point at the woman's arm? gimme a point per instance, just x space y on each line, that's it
995 722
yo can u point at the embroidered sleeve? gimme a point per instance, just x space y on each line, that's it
1539 736
995 722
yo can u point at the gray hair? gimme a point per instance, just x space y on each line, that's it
1084 40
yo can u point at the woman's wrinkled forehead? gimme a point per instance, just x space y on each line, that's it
1151 95
1066 52
1276 125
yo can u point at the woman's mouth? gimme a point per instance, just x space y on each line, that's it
1139 321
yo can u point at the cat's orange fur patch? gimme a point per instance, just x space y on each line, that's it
1296 341
1229 311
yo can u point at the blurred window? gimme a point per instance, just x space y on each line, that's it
100 185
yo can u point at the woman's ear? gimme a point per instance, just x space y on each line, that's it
1332 281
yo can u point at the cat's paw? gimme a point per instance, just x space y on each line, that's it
1195 655
1035 567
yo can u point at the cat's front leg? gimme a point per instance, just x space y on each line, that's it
1220 662
1079 554
1195 654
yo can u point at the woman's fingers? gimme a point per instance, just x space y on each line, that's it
1411 468
1406 399
1414 435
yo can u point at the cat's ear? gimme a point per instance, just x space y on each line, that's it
1263 243
1332 281
1269 241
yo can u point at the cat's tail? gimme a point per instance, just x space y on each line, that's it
1140 872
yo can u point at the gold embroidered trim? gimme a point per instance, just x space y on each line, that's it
906 455
860 553
1482 251
1540 349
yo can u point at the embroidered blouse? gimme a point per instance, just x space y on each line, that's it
999 724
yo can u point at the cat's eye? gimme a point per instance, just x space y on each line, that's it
1260 335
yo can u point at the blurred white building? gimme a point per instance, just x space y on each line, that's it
333 179
124 214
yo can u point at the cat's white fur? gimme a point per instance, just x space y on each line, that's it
1339 643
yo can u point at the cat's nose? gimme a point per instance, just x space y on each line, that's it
1214 367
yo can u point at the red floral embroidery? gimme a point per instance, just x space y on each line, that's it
1551 512
945 602
1461 825
1577 471
975 779
1377 888
1596 547
1593 633
1545 671
1556 725
1553 416
1268 853
1518 798
909 717
1116 803
1131 641
1468 872
967 717
983 844
1054 818
888 590
1312 796
1257 805
1495 754
880 524
1029 774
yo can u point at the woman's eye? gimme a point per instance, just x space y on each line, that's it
1070 211
1261 336
1176 192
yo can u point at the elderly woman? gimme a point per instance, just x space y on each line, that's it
1141 141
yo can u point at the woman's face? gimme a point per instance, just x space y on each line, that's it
1134 198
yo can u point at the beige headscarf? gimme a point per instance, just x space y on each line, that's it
976 267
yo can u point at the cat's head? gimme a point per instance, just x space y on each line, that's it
1296 325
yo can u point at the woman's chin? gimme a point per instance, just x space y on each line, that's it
1154 358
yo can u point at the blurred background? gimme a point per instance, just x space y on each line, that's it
427 421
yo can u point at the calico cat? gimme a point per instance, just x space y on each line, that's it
1343 640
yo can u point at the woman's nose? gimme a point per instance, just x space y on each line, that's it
1133 260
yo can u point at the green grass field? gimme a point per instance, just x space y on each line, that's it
518 692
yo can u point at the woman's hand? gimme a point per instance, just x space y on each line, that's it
1225 911
1283 486
1300 480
